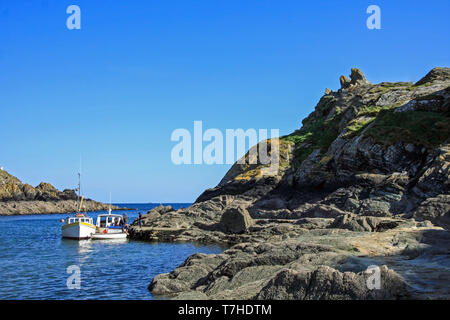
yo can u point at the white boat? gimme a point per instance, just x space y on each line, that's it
80 226
110 226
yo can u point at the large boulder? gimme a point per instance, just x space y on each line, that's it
435 209
235 220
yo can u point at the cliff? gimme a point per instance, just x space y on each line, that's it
364 181
367 149
17 198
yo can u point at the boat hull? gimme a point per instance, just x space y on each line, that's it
107 236
78 231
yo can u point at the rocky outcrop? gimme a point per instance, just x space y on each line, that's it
17 198
364 180
326 283
356 78
49 206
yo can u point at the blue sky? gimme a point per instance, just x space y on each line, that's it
114 91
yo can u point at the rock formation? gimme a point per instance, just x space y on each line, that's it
364 181
235 220
357 78
17 198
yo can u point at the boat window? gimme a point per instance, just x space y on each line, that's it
103 221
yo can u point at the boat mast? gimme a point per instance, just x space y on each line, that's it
79 185
80 198
109 209
79 192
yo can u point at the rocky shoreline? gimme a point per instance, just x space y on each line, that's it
364 182
17 198
277 259
51 207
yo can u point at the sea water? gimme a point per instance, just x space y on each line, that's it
34 260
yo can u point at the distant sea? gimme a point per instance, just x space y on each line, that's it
34 259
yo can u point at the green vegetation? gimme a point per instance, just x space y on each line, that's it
388 86
356 126
373 110
296 137
418 127
365 116
317 133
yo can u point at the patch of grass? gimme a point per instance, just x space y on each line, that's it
384 87
373 110
418 127
297 138
317 133
365 116
413 86
396 84
356 126
380 89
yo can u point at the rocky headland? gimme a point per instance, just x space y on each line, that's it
364 182
17 198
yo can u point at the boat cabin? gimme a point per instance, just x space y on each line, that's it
109 220
84 219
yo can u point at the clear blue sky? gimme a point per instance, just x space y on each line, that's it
116 89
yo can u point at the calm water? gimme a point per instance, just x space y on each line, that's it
34 259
